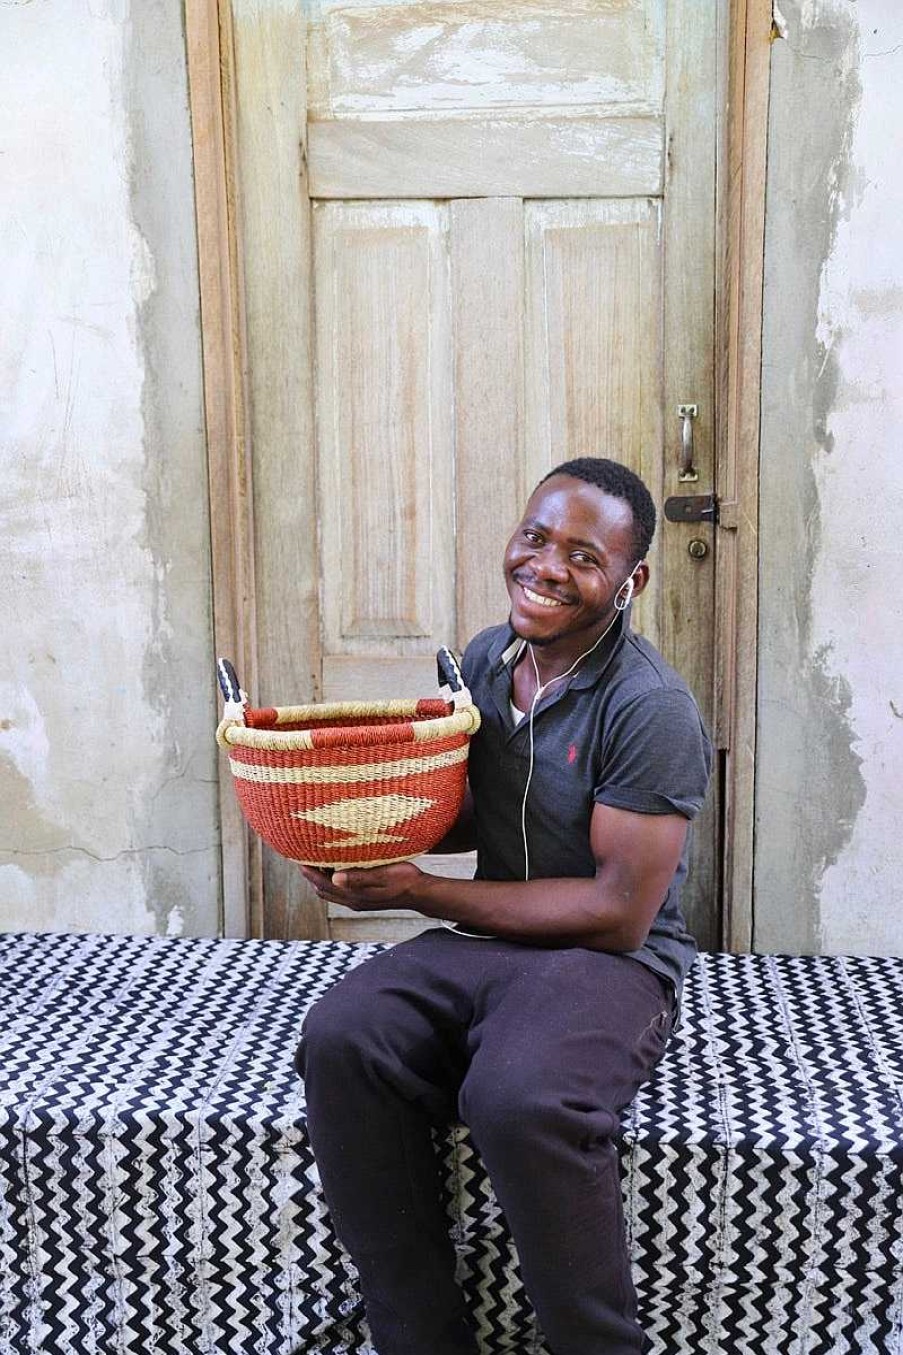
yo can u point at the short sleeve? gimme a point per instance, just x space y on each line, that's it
657 757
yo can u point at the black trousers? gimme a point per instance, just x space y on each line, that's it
537 1051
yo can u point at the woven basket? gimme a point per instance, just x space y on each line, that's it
350 783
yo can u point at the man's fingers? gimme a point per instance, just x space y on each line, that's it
318 878
362 887
341 886
324 883
359 878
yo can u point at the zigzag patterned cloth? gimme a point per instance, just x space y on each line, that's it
158 1195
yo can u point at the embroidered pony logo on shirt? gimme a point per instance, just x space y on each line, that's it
572 753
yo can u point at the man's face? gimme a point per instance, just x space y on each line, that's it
567 560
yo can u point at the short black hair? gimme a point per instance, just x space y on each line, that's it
621 483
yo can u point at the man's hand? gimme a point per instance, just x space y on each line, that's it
368 889
636 857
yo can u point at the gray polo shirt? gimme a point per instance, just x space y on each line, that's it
624 730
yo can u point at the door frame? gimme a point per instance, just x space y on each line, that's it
253 253
743 152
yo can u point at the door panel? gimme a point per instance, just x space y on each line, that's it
408 57
480 157
384 416
488 294
418 356
593 345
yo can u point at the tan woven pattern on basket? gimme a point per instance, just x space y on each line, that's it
351 783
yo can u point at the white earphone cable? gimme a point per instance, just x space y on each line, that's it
540 691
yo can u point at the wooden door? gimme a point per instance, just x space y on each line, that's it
511 245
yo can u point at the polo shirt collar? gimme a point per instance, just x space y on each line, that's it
506 647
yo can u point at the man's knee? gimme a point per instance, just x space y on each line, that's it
334 1026
498 1107
513 1110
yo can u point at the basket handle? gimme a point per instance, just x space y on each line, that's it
448 670
236 700
451 681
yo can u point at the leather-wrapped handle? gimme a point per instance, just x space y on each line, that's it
448 670
229 683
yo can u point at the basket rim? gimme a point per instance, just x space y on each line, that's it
321 712
232 733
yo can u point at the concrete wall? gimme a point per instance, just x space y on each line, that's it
829 832
107 792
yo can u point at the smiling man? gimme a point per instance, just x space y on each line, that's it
540 1007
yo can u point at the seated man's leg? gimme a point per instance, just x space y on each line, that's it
561 1042
382 1059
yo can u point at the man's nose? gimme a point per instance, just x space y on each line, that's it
552 563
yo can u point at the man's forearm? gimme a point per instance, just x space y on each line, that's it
636 857
557 912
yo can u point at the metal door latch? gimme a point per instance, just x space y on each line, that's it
692 508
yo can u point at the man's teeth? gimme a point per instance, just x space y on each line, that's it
543 602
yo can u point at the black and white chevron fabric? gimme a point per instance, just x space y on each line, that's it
158 1195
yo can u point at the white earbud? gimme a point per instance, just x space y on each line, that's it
622 601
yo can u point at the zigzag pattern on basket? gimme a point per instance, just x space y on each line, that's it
158 1192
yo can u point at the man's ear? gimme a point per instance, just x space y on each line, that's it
640 577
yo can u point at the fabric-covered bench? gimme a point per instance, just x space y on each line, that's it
158 1194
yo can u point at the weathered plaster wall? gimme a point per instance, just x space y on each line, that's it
107 792
829 849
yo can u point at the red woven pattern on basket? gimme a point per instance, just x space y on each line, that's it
266 717
346 755
262 718
402 810
363 736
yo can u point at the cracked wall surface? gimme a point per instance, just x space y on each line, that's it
107 766
829 800
108 810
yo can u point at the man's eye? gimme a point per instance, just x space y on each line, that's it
533 537
582 558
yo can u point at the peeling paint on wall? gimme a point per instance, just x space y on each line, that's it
808 784
24 755
177 673
829 854
856 614
106 760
